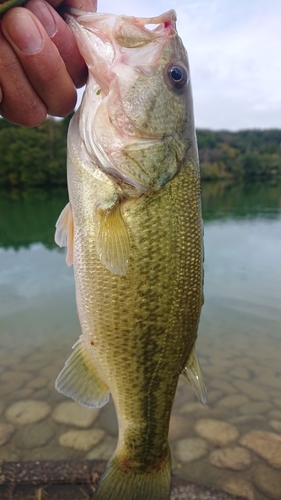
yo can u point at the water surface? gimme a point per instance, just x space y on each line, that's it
239 337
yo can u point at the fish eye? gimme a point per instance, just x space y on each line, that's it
177 76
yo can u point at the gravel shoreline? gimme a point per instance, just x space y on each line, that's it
77 480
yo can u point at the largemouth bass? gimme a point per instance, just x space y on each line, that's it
133 231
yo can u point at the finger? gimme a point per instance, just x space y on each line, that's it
87 5
40 60
62 36
19 103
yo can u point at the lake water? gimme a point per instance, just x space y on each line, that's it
234 442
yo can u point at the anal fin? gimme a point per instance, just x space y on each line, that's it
80 380
64 235
193 374
113 245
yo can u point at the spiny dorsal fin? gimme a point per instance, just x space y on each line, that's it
64 235
80 381
113 245
193 374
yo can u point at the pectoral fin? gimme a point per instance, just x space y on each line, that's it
113 245
193 374
64 235
80 381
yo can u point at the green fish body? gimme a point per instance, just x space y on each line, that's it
133 231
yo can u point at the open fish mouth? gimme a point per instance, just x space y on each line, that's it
108 36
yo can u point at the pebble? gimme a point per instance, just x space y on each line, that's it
277 403
223 386
37 382
194 407
27 412
35 435
265 444
49 372
47 453
188 450
240 372
246 419
239 487
275 414
233 400
275 395
13 375
270 380
72 413
41 394
276 425
10 387
268 482
81 440
216 431
6 432
2 407
24 393
38 356
35 366
179 427
255 408
213 371
214 395
252 390
8 456
104 450
236 458
108 420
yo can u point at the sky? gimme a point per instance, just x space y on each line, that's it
234 50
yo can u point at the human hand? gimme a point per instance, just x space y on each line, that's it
40 65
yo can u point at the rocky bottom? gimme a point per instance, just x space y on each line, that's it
232 444
41 480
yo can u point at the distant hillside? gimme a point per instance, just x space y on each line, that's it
244 154
37 156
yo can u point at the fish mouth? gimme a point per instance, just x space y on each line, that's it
103 39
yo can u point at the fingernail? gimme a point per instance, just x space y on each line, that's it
24 32
43 11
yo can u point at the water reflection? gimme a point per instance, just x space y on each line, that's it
239 341
29 217
239 201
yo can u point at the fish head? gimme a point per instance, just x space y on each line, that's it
136 116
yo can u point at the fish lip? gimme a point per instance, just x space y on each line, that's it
168 18
79 20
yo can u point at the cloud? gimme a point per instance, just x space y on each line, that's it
235 63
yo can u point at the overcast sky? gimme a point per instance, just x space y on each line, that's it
234 49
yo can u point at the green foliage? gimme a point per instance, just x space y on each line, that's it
36 157
243 155
33 157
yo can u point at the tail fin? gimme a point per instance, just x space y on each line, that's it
119 483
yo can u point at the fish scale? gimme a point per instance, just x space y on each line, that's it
151 309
